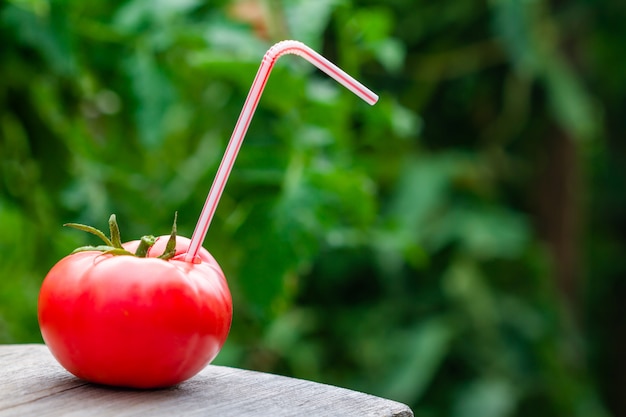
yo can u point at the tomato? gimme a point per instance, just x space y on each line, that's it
139 322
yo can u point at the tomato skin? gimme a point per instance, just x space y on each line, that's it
135 322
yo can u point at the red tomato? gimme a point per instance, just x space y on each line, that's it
135 322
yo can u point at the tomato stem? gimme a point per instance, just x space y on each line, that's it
170 248
91 230
116 238
113 245
102 248
145 243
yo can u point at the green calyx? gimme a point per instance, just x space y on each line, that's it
113 244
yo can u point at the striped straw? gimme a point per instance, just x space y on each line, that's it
270 58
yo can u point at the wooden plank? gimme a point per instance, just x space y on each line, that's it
33 383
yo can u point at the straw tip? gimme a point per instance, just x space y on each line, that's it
367 96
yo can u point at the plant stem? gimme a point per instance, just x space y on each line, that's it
145 244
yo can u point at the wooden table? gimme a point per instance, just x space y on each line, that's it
32 383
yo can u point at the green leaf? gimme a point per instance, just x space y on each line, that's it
375 27
493 397
307 20
424 351
43 32
422 188
485 232
154 94
136 14
390 53
233 43
514 24
374 24
522 26
571 104
272 259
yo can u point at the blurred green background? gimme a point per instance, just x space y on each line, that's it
458 247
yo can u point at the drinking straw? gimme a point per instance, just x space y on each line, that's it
270 58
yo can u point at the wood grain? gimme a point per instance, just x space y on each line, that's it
33 383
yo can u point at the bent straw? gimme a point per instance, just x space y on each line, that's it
270 58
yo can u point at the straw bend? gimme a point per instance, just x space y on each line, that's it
254 95
302 50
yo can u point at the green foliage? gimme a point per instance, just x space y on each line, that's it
393 249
